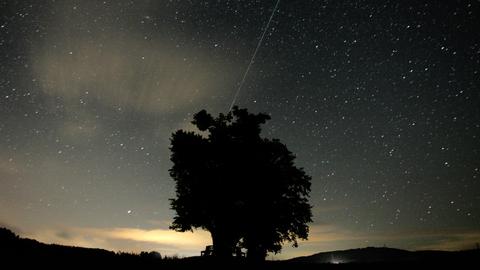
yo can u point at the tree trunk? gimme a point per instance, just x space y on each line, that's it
256 254
222 248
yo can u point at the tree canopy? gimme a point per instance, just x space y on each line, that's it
244 189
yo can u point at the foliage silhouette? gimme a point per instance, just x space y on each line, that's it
244 189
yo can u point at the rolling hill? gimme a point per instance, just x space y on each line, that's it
19 252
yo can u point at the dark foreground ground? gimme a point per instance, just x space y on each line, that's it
18 253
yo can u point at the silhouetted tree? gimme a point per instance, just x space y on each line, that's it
244 189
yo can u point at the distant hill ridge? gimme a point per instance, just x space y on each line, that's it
25 252
384 255
18 252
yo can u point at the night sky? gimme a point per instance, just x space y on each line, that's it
379 100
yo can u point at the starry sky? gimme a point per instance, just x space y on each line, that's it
379 100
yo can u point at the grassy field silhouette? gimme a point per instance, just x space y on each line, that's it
16 252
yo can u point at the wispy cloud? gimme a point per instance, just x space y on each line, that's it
137 72
451 241
127 239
